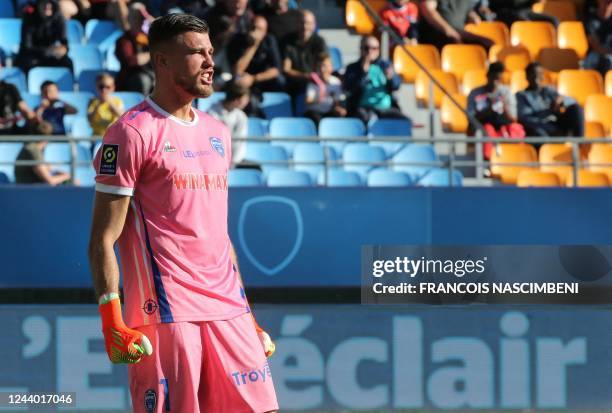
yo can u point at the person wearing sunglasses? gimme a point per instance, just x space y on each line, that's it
104 109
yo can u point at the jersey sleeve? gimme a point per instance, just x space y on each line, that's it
119 161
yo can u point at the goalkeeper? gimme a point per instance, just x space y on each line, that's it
189 336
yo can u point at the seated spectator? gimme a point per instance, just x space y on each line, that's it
542 111
40 173
282 20
493 107
442 22
132 51
116 10
43 37
402 16
231 112
105 108
12 110
370 82
324 95
510 11
52 109
301 53
599 29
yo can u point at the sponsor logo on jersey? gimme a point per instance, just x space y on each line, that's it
195 154
168 147
150 400
108 161
150 306
217 145
208 182
258 374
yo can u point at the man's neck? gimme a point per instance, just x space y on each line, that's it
173 103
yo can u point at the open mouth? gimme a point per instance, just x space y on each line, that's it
207 77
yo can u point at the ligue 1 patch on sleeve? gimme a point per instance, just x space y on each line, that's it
108 161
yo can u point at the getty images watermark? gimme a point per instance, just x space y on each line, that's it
486 274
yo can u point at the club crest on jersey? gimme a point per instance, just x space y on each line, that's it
217 145
168 147
150 400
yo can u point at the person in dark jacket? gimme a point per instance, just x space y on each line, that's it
43 37
510 11
369 84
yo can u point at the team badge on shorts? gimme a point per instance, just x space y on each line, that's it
217 145
108 161
150 400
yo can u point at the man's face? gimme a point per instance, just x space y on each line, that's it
189 61
50 92
261 25
308 25
45 8
538 77
371 49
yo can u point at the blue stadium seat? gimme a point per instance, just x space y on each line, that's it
15 76
439 177
109 42
87 80
8 153
270 157
80 127
11 35
31 99
282 127
80 100
340 128
60 75
4 179
245 177
85 57
386 177
130 98
74 32
419 153
362 152
6 9
257 127
286 178
60 152
276 104
336 58
390 128
340 177
205 104
96 31
110 59
85 175
309 152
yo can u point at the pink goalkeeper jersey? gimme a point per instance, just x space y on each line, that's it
174 248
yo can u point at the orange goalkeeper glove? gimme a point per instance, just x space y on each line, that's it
266 341
123 344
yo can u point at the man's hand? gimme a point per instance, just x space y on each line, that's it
266 341
453 34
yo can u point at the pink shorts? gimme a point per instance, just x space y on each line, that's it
201 367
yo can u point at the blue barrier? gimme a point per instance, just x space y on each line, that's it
309 237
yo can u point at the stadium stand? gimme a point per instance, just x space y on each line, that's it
424 156
59 75
245 177
441 177
276 104
427 54
309 157
422 87
459 58
494 30
529 178
96 31
8 153
599 156
205 104
362 157
75 32
506 156
579 84
562 10
380 128
454 120
11 35
588 178
15 76
279 178
330 128
85 57
129 99
284 127
257 127
513 57
534 36
571 35
551 153
598 108
386 178
609 83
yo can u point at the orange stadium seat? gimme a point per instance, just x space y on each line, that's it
472 79
527 178
594 130
513 57
421 87
551 153
357 17
579 84
555 59
601 153
453 120
459 58
571 35
562 10
533 35
512 153
598 108
609 83
588 178
518 80
427 54
496 31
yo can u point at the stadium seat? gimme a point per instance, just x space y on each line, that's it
496 31
59 75
530 178
336 57
599 155
291 128
588 178
85 175
11 35
459 58
14 76
579 84
81 127
421 89
423 156
288 178
32 99
472 79
6 9
8 153
551 153
512 153
87 80
276 104
244 177
130 99
562 10
440 177
257 127
594 130
555 59
61 152
80 100
109 42
362 157
4 179
390 128
513 57
268 156
339 178
349 128
533 35
427 54
518 80
381 177
571 35
205 103
452 118
598 108
74 32
609 83
110 59
96 31
307 153
85 57
358 19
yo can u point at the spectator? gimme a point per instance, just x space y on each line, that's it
482 8
442 22
104 109
43 37
52 109
324 95
542 111
370 82
510 11
282 20
402 16
116 10
493 107
301 53
599 29
13 109
231 112
132 51
40 173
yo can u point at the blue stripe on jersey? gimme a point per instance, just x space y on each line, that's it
164 307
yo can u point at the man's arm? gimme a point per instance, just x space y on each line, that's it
429 11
